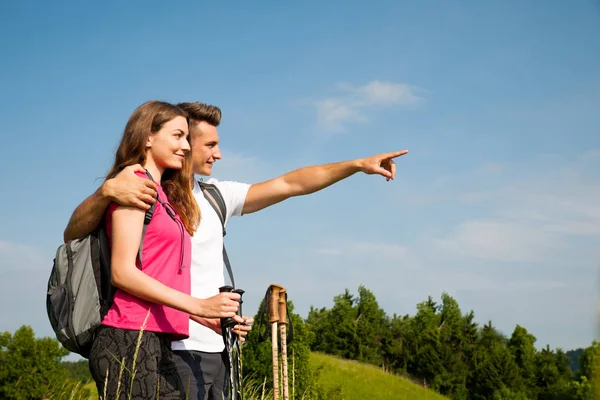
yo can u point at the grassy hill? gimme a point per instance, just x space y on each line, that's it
351 380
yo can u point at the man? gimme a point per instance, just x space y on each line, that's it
204 350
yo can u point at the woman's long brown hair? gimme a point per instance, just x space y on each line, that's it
178 184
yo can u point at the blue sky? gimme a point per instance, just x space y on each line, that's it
497 102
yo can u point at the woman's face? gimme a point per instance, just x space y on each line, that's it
170 144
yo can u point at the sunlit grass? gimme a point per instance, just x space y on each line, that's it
351 380
67 390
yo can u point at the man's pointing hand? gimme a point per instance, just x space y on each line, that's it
382 164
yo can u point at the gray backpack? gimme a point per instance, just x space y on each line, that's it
80 291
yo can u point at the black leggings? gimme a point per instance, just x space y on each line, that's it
155 370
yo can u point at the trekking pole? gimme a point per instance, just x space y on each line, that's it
273 319
238 353
283 326
233 348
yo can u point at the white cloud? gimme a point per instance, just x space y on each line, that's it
499 240
329 252
16 256
335 112
526 226
387 251
591 155
481 281
528 213
492 168
579 228
383 93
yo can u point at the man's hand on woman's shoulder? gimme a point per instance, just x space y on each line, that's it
130 190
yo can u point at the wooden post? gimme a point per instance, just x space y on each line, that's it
273 307
283 327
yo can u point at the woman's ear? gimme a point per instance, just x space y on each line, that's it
149 142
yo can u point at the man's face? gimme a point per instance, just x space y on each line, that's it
205 148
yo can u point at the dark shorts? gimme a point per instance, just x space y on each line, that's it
204 373
156 374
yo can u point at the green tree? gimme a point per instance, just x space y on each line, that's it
589 375
590 361
470 333
496 371
424 343
521 345
574 359
372 328
28 366
452 380
318 322
554 376
335 329
397 347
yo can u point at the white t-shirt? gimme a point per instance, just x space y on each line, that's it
207 260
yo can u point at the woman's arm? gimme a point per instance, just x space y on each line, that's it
127 224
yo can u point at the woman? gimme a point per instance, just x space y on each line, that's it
131 355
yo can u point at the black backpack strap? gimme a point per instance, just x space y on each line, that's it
147 219
214 197
228 265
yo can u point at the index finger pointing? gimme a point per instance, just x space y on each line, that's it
394 154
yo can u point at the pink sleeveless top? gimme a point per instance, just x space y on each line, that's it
166 257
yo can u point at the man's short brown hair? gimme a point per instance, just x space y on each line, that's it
199 112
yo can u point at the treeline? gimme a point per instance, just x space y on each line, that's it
446 350
32 368
439 347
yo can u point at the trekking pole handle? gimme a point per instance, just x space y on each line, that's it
240 292
230 322
274 303
283 307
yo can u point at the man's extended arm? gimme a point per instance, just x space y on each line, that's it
127 189
312 179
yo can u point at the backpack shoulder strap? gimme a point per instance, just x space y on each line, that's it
215 198
147 219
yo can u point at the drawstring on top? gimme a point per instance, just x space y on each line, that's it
171 211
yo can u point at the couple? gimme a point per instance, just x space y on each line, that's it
182 250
